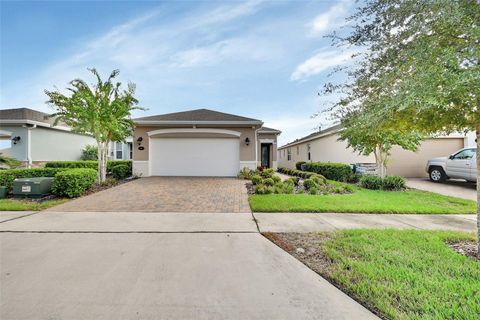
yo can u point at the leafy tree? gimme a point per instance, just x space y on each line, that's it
90 152
420 61
103 110
368 137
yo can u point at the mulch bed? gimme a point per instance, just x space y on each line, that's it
465 248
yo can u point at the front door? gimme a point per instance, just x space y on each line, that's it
265 154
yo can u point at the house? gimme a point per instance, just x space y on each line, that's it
31 137
324 146
201 142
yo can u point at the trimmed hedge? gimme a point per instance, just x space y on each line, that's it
331 170
121 171
390 183
92 164
74 182
7 176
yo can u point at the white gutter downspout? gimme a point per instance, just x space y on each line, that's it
29 145
256 147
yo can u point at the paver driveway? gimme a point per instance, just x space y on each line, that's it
167 194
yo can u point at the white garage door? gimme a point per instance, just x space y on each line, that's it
194 157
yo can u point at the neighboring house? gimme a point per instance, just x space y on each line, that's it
30 136
201 143
324 146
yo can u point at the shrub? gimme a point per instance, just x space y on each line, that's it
292 180
318 179
309 184
268 182
289 189
298 165
246 173
256 179
121 171
313 190
74 182
354 178
7 176
90 152
92 164
276 179
260 189
279 187
371 182
330 170
267 173
394 183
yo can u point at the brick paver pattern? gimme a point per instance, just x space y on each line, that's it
167 194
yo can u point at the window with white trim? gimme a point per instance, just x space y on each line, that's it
289 154
118 150
309 156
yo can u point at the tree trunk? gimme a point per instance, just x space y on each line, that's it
380 159
102 160
478 190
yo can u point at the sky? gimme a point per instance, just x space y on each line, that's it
262 59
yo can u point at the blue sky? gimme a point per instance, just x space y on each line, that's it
262 59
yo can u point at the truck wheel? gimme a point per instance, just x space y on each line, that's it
437 174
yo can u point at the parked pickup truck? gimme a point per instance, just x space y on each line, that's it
460 165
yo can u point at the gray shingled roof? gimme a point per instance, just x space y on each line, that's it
312 135
269 129
26 114
197 115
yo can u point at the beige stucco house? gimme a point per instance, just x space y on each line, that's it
324 146
201 142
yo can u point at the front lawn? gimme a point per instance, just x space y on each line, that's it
364 201
28 205
399 274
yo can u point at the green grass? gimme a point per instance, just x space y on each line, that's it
25 205
364 201
406 274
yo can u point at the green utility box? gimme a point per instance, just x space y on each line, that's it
32 187
3 192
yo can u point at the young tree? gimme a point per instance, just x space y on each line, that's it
422 62
367 137
103 110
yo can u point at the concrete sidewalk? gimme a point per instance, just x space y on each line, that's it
161 276
10 215
312 222
132 222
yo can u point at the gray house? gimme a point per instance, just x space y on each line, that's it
30 136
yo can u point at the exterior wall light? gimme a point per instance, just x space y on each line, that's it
139 141
247 141
16 139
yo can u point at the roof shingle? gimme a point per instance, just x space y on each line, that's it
197 115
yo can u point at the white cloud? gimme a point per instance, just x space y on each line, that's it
333 17
143 47
319 62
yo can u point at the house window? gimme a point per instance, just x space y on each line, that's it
309 156
289 154
118 150
298 150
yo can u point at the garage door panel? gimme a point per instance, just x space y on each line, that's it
194 157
